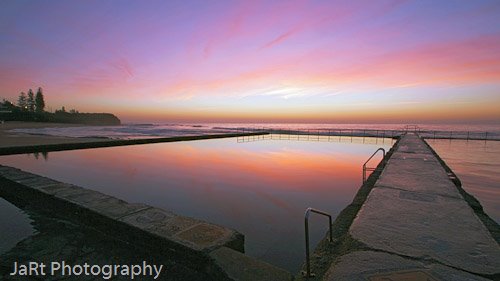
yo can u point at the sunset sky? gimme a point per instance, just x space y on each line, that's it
256 61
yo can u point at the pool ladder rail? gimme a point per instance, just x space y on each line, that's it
308 272
371 169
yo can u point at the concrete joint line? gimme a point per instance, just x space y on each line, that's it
133 213
418 192
426 260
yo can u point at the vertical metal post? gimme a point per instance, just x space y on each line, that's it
364 173
308 272
306 229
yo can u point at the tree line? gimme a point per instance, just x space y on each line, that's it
31 102
31 107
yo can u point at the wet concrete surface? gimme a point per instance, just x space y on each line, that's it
375 266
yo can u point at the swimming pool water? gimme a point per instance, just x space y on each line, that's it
260 188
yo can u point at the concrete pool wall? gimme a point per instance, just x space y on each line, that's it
84 144
214 249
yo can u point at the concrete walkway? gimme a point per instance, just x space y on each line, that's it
416 226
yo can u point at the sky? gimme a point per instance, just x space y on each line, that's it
257 61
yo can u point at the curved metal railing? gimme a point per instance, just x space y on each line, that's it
371 169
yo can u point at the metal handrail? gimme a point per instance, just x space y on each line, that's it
371 169
306 226
415 128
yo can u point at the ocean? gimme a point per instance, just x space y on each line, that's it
477 165
153 130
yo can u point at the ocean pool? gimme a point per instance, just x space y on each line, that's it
260 187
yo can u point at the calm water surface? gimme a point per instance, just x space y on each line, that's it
260 188
15 225
477 164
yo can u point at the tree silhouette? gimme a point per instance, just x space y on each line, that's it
21 101
30 102
39 101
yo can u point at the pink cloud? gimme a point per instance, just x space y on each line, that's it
123 67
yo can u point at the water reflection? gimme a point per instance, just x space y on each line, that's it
45 155
258 188
476 163
15 225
